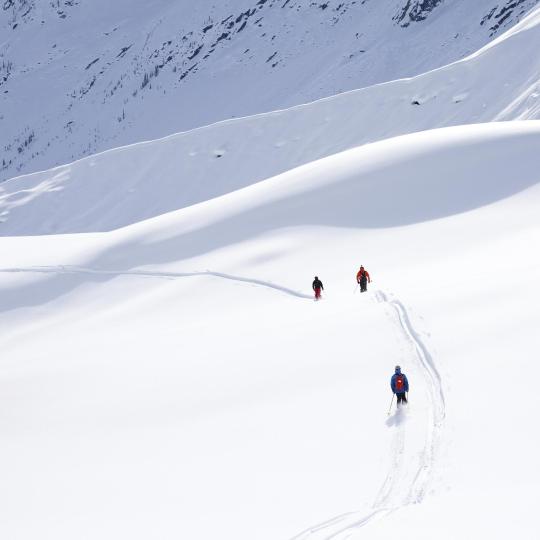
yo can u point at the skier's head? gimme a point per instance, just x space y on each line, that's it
361 268
398 369
316 277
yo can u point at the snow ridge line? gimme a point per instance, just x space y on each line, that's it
389 497
67 269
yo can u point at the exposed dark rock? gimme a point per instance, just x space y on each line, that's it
514 9
416 11
91 63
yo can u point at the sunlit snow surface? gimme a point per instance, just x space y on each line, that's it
174 378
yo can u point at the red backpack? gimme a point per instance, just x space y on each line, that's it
400 384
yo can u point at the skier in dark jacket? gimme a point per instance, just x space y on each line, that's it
317 287
362 277
399 385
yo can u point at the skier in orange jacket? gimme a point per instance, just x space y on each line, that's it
363 279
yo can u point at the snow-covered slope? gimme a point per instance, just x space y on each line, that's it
129 184
173 379
81 76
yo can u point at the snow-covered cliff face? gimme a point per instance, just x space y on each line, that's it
81 76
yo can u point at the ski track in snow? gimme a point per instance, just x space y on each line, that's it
82 270
397 490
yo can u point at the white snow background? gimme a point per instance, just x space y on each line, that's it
173 378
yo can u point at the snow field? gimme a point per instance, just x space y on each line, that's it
166 374
170 379
173 410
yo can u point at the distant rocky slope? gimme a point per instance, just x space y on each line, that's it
81 76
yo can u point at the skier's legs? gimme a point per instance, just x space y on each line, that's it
317 293
401 398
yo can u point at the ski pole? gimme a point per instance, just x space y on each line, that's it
391 403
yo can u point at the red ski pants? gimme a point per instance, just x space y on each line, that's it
317 293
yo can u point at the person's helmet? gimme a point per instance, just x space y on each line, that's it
316 277
398 369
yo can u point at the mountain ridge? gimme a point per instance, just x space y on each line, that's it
148 71
187 168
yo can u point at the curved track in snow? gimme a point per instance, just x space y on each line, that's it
437 409
401 487
67 269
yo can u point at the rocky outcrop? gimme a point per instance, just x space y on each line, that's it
416 11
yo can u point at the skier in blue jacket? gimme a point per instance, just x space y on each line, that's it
399 385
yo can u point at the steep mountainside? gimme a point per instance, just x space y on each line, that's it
81 76
132 183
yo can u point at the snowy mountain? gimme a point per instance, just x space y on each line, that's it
78 77
164 370
99 194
